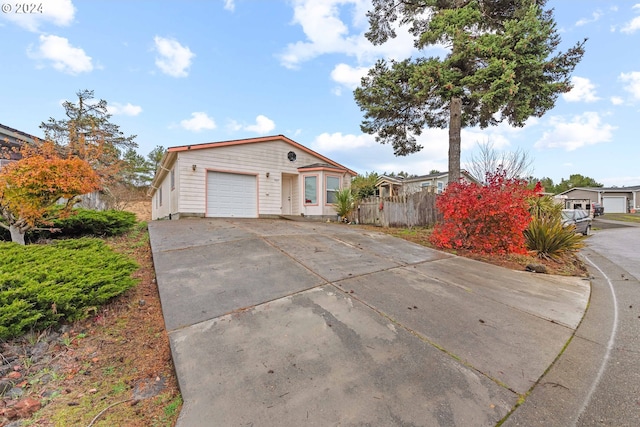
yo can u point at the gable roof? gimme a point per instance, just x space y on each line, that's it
12 139
172 152
603 189
431 176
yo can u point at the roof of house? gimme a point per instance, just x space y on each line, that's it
604 189
171 153
13 136
400 180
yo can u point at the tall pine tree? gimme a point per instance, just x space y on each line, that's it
501 65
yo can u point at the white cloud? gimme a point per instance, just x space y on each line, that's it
262 126
33 15
198 122
331 142
583 90
229 5
127 109
594 17
174 59
348 76
583 130
633 83
616 100
64 57
327 33
633 25
233 126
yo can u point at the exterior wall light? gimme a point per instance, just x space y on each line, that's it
193 168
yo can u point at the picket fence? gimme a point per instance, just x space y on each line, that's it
417 209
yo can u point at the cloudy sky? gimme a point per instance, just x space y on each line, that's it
185 72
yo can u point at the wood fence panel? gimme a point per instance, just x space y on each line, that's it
417 209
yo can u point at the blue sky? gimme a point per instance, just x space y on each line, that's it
185 72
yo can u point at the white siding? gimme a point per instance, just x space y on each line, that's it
252 158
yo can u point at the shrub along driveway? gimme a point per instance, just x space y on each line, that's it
298 323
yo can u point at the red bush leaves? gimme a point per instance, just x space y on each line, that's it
486 218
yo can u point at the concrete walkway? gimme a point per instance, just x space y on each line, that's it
281 323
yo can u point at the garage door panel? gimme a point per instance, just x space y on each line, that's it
614 204
232 195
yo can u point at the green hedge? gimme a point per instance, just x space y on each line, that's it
83 222
42 285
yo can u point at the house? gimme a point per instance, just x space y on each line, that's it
398 186
10 142
268 176
613 199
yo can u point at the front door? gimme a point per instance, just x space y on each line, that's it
287 194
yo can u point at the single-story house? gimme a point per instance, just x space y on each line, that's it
613 199
268 176
399 186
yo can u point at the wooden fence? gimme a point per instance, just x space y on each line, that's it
417 209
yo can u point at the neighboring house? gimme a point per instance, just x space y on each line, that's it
269 176
398 186
10 142
613 199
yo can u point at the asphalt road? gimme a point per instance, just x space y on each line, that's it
596 381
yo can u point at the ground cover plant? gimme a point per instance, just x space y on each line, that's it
42 285
113 368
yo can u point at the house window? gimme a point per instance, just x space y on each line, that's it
333 185
426 184
440 187
160 196
310 190
173 179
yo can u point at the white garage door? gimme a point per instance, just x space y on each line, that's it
614 204
232 195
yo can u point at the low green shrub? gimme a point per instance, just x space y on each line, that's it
549 239
82 222
344 202
546 236
87 222
42 285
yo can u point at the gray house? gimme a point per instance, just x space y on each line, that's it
398 186
614 199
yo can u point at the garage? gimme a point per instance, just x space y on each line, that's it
232 195
614 204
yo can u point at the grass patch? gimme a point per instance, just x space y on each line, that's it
626 217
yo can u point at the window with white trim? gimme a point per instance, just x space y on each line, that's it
333 185
310 190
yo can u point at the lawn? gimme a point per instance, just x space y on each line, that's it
627 217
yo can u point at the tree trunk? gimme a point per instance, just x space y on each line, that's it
17 235
455 127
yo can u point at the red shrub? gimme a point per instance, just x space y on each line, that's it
484 218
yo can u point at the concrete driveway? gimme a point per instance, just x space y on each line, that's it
290 323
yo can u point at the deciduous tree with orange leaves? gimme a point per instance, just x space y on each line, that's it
30 188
